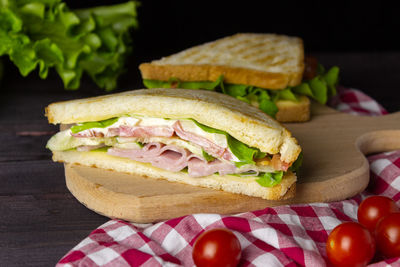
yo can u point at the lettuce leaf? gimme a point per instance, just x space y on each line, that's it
101 149
268 179
46 34
207 156
297 164
93 124
176 83
243 152
320 88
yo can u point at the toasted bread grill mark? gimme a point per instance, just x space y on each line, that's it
253 52
268 55
277 63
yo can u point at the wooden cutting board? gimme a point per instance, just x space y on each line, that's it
334 168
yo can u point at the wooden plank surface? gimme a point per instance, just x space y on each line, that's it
36 228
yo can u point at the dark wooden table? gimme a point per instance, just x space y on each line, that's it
40 221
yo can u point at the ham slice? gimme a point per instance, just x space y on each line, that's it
206 144
171 158
199 168
166 157
129 131
88 133
174 158
161 131
141 131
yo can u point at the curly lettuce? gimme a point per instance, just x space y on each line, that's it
320 88
38 34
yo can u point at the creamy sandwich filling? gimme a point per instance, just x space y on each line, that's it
174 145
319 88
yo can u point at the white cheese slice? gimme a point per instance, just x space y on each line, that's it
218 139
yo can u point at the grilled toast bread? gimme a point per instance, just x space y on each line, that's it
265 60
268 61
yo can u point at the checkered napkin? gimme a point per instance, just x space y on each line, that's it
288 235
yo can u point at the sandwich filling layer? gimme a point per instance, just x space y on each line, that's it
319 88
177 145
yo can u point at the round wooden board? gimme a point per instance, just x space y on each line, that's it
334 168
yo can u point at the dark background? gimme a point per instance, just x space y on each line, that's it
169 26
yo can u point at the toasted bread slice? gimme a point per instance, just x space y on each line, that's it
229 183
290 111
268 61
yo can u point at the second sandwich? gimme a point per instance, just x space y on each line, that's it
268 71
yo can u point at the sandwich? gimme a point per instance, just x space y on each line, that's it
201 138
268 71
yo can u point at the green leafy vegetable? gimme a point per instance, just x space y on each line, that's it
296 165
235 90
319 88
101 149
140 144
269 179
46 34
331 78
93 124
268 106
243 152
174 82
207 156
202 85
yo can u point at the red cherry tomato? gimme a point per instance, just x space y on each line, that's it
350 244
387 235
216 247
374 208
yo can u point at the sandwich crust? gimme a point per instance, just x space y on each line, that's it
241 120
268 61
228 183
290 111
234 75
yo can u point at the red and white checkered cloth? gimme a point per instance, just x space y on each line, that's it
288 235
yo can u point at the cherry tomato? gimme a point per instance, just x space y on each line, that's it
350 244
387 235
374 208
216 247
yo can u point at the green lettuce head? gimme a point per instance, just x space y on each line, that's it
38 34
